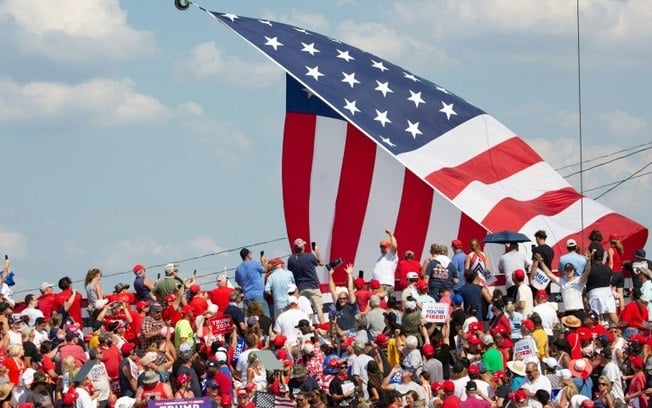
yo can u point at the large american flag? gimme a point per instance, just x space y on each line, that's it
369 145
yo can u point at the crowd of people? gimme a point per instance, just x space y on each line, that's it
421 333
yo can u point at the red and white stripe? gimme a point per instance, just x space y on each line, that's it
342 191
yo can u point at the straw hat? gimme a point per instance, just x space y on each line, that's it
5 390
517 367
571 321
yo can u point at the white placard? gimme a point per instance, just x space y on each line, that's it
525 348
540 280
435 312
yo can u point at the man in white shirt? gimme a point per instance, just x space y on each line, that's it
510 261
304 303
385 267
535 382
288 321
612 371
546 311
30 309
523 303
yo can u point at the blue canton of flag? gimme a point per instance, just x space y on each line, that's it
398 109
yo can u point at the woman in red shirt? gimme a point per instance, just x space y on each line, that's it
636 390
14 363
634 314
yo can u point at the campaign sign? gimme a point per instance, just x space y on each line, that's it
221 325
540 280
434 312
180 403
525 348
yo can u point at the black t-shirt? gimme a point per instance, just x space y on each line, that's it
547 253
599 277
346 315
443 354
472 295
237 315
457 321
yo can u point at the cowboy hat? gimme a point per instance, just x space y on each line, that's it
571 321
517 367
580 367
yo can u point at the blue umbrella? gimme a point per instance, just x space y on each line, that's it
505 237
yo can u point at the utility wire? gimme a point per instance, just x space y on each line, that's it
631 177
607 162
624 180
180 261
579 108
604 156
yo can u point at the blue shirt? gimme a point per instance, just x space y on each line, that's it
277 284
304 268
249 276
458 261
577 260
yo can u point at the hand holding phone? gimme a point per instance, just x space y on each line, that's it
314 245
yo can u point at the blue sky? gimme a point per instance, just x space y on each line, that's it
135 133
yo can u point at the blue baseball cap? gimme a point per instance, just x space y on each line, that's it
457 299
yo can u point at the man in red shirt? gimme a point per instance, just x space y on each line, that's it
198 301
450 399
47 301
220 295
69 299
405 265
111 357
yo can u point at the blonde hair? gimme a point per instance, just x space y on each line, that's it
15 350
68 368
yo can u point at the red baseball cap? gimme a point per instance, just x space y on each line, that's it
282 354
358 283
186 310
528 324
542 294
279 341
449 387
473 339
436 386
348 341
375 284
141 304
137 268
421 284
637 361
473 369
456 243
194 289
428 350
127 348
520 396
519 274
381 339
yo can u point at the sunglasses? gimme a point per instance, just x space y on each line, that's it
602 384
529 372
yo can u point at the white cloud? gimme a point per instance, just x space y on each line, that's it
103 102
622 124
310 21
70 30
13 244
117 255
205 244
72 250
520 31
219 138
207 61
